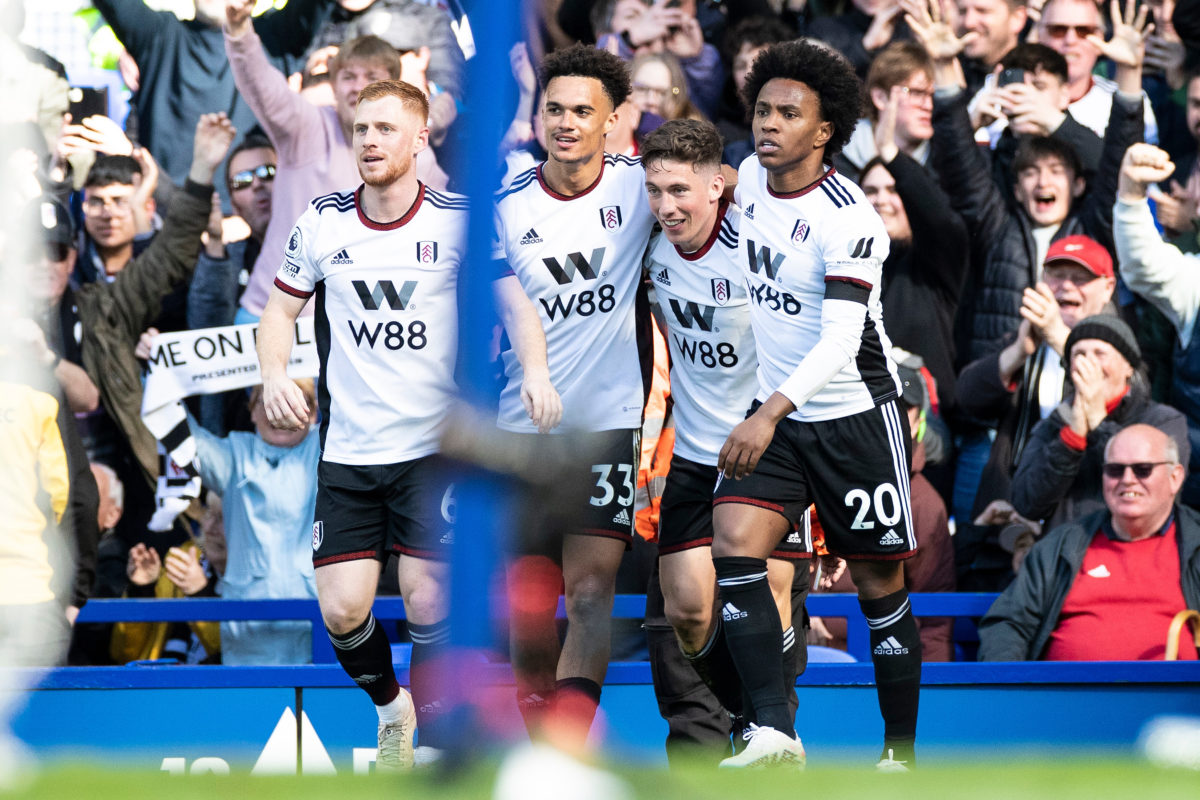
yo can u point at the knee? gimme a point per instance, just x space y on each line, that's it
589 597
340 617
425 605
689 619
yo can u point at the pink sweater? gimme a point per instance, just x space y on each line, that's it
314 156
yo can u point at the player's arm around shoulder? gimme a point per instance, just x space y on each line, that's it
524 326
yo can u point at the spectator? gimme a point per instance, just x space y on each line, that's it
267 482
313 143
1176 210
49 497
743 43
1070 27
1035 106
118 203
1105 587
988 29
112 497
1058 476
659 87
1166 278
863 31
109 316
183 573
1009 243
1021 383
903 65
183 71
928 259
421 32
33 83
658 28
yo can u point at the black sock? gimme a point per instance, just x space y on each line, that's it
791 664
896 653
715 667
575 703
367 658
752 631
426 675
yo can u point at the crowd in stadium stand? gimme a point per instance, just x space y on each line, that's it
1035 165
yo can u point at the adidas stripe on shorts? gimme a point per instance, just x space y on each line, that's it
854 468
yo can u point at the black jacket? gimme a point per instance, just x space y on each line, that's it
1057 483
1018 625
1003 252
923 280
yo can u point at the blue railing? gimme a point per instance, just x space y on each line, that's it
626 606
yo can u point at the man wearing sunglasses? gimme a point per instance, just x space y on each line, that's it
1065 27
223 270
225 264
1105 588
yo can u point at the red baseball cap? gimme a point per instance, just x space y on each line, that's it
1084 251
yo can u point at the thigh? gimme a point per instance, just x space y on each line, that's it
688 579
591 563
420 508
859 469
741 529
423 584
346 590
685 516
350 519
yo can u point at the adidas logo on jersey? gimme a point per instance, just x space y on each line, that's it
663 277
749 212
622 517
342 258
890 539
731 612
890 647
531 237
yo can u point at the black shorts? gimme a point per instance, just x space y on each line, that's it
855 469
608 509
685 517
370 511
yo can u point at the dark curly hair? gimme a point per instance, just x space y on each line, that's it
582 61
823 70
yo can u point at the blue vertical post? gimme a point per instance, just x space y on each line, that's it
479 534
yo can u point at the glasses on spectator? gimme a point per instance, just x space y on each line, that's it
915 95
1081 31
117 206
654 91
1141 470
240 180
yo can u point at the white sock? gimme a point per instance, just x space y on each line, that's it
393 711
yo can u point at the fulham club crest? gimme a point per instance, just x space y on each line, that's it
426 252
318 534
610 218
720 290
800 231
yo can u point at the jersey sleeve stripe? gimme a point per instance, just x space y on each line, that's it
518 183
841 190
292 291
833 198
852 289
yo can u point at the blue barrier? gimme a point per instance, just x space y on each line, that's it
626 606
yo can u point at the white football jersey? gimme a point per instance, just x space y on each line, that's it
386 321
713 364
798 250
579 259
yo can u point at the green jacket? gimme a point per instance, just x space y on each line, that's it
113 315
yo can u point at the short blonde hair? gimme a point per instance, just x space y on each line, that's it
411 97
